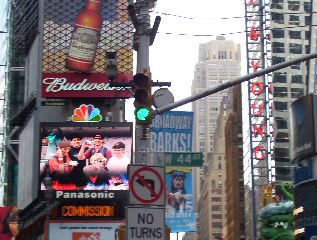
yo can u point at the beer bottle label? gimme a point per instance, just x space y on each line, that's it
84 44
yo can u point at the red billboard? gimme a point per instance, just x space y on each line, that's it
86 45
7 229
86 160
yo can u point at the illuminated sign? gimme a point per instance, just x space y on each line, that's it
84 51
86 160
304 171
85 195
86 113
298 211
299 231
87 211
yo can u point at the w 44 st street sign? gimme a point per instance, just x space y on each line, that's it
183 159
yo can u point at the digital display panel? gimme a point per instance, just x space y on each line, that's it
86 160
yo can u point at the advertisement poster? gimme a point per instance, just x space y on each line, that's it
172 132
86 45
302 125
84 157
80 230
179 212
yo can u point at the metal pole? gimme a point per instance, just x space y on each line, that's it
48 219
143 30
235 82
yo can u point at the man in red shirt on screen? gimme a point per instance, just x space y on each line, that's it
61 167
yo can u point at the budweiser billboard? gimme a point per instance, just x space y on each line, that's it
86 45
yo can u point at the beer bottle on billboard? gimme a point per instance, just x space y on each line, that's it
85 37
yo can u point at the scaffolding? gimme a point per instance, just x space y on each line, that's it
4 36
261 162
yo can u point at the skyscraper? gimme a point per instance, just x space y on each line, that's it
218 62
290 27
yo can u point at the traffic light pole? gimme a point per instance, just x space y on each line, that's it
143 38
232 83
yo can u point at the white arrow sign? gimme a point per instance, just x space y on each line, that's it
147 185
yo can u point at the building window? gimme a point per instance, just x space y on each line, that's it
281 140
277 17
213 183
282 171
293 5
278 33
216 199
216 216
279 77
307 35
282 135
307 20
278 47
307 7
280 106
297 92
282 152
276 6
296 66
297 79
280 92
295 48
282 159
295 34
294 20
277 1
281 123
276 60
216 208
217 225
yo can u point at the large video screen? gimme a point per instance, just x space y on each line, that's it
85 156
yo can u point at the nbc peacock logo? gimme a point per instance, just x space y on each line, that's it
86 113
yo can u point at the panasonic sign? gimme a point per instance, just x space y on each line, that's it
90 194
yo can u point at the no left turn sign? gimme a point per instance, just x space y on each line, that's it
147 185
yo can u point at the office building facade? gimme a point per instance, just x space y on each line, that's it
218 62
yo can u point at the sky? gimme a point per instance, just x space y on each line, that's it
174 52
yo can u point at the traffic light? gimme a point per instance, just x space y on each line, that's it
267 194
143 99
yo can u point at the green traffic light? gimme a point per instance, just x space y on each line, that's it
142 113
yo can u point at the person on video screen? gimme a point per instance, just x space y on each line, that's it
97 173
117 167
80 178
97 147
61 167
118 163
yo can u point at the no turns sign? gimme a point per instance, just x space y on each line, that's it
145 223
147 185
